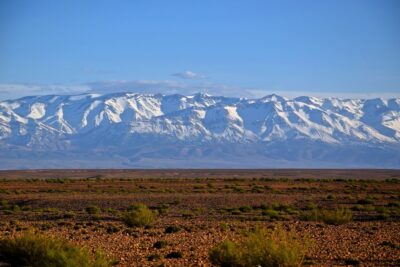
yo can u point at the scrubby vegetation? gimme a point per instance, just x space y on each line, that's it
42 251
160 244
172 229
226 254
334 217
98 212
262 247
138 215
92 210
174 255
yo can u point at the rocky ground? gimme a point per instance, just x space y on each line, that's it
205 211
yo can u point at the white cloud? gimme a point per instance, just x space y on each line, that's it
189 75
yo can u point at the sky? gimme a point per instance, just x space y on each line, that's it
340 48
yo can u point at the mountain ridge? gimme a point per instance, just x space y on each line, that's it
196 130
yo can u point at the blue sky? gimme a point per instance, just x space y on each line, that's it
244 48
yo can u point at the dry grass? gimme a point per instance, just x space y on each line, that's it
264 248
36 250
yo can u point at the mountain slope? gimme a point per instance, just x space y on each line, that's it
137 130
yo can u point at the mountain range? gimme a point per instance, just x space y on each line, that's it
130 130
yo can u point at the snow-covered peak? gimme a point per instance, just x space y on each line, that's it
126 119
328 120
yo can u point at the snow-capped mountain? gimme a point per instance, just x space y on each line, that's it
138 130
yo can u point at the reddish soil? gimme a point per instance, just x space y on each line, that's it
208 206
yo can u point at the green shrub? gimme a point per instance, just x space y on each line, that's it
264 206
174 255
92 210
236 212
311 206
390 244
337 216
365 201
160 244
383 216
69 215
112 229
163 208
352 262
137 206
187 214
273 215
42 251
381 209
139 216
245 209
4 204
330 197
16 208
225 254
394 204
310 215
224 226
262 248
172 229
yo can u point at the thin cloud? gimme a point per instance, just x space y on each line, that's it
349 95
12 91
189 75
166 87
138 86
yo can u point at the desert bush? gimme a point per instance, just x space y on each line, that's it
274 215
112 229
330 197
394 204
236 212
383 216
224 226
41 251
311 206
4 204
352 262
337 216
160 244
69 215
137 206
365 201
92 210
262 207
187 214
390 244
172 229
245 209
174 255
310 215
225 254
163 208
262 247
16 208
138 216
